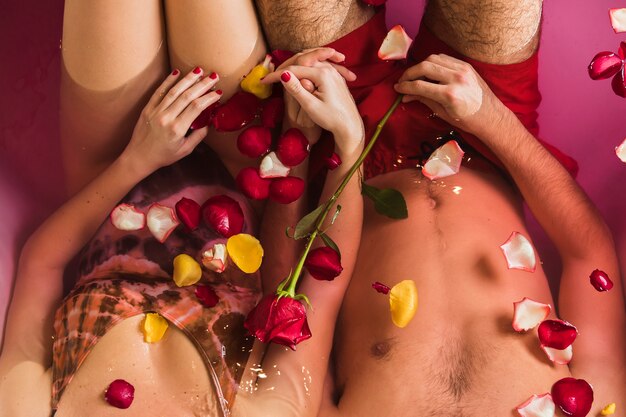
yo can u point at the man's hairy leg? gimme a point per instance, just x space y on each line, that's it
494 31
296 25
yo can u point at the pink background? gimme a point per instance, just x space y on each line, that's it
584 118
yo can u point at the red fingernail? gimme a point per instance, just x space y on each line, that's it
175 72
285 76
197 70
218 92
213 75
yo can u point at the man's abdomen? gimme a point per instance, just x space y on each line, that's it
460 355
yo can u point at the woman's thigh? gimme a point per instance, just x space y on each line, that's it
114 54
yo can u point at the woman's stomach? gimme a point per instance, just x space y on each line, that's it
459 356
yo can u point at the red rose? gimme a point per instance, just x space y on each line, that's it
282 321
324 263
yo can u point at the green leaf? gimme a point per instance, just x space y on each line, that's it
306 225
388 202
287 230
330 243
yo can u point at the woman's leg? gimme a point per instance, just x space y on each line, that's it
222 36
114 54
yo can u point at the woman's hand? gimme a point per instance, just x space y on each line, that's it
317 57
159 138
454 91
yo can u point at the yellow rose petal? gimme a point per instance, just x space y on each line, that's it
403 302
245 251
186 270
252 82
154 327
608 410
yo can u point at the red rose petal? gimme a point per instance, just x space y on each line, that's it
188 212
323 263
333 161
206 117
600 280
278 320
280 55
375 2
292 147
161 221
604 65
527 314
126 217
381 288
207 296
557 334
286 190
619 83
120 394
273 111
622 50
223 214
252 185
237 112
537 406
255 141
573 396
395 45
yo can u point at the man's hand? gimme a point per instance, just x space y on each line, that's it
454 91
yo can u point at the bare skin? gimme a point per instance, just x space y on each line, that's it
460 355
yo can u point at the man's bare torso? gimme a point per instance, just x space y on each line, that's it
460 355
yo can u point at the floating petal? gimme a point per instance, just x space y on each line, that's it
223 214
286 190
557 334
445 161
333 161
380 287
154 327
619 83
188 212
608 410
527 314
214 259
600 280
618 19
207 296
537 406
323 263
237 112
271 167
519 253
292 147
254 141
403 302
186 270
604 65
161 221
622 50
252 82
206 117
127 217
395 45
559 356
620 151
246 252
273 111
375 2
573 396
120 394
252 185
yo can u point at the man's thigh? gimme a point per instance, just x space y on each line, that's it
493 31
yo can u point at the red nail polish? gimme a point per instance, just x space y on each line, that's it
285 76
175 72
213 76
218 92
197 70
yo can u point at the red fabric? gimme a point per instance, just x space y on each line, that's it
410 134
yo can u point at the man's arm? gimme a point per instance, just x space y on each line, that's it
158 140
570 219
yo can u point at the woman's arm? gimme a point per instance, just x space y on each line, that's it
562 208
294 379
158 140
